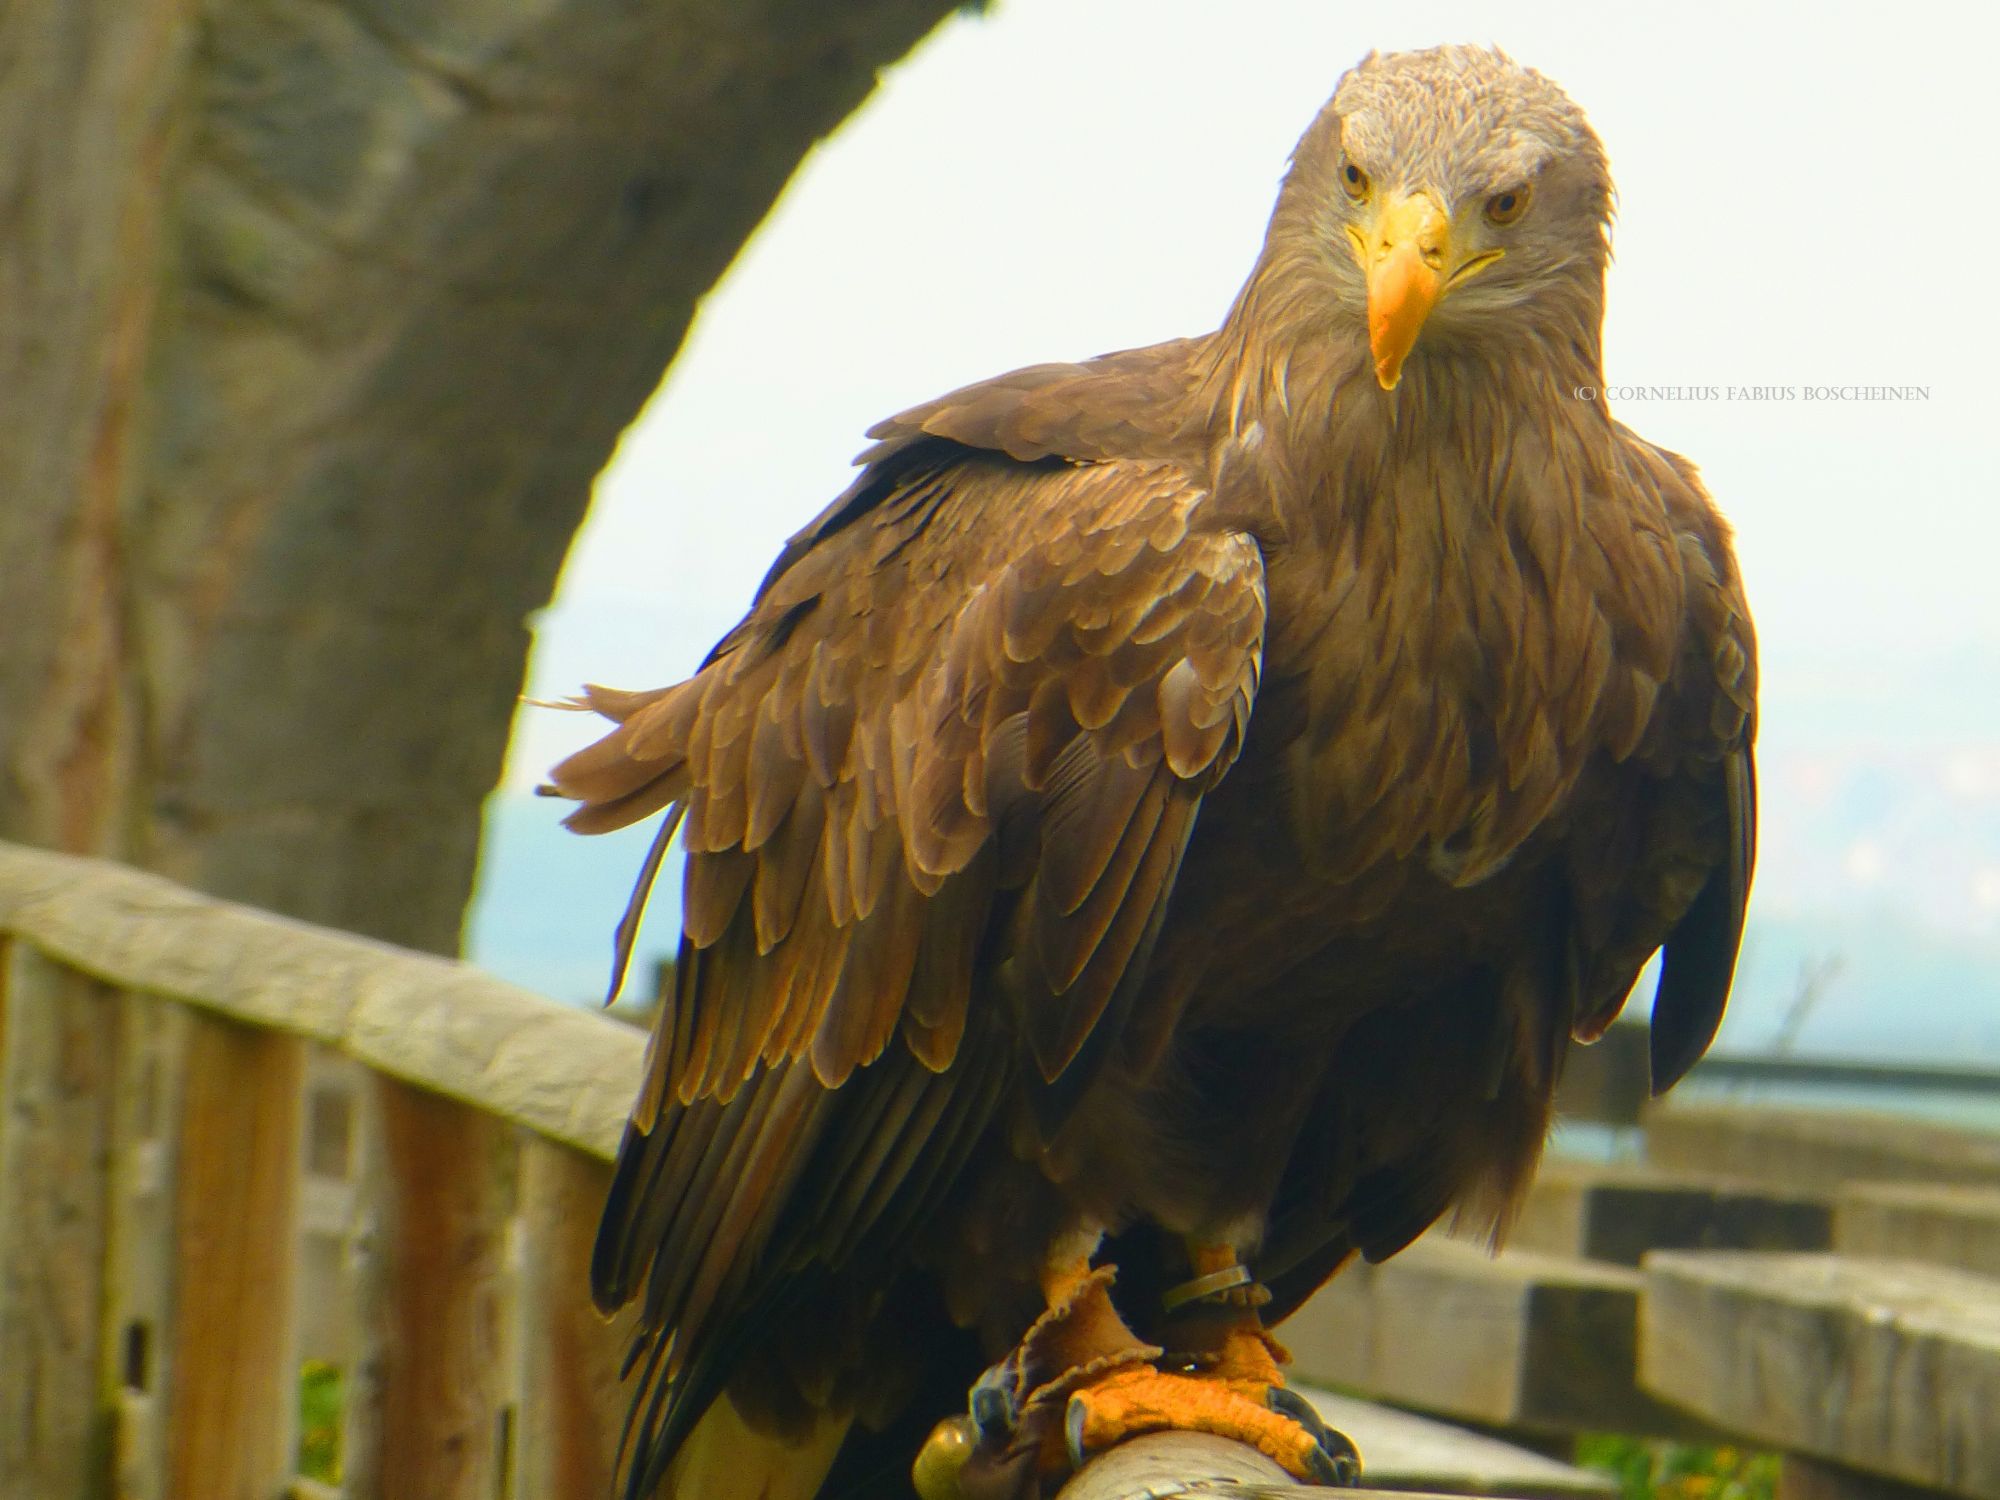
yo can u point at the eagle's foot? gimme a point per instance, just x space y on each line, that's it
1011 1445
1081 1381
1237 1391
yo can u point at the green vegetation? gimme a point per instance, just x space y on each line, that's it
319 1422
1649 1469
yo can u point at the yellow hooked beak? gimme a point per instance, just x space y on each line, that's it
1407 256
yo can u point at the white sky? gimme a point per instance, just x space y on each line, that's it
1805 198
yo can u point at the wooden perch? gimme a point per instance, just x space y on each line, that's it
1166 1463
1198 1463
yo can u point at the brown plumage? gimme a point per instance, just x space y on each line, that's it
1194 793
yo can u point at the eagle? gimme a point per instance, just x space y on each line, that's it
1156 835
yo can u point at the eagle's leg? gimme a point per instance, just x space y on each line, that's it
1081 1381
1223 1374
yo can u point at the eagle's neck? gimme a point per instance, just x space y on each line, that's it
1299 433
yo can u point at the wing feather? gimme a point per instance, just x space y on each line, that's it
785 866
1069 926
953 754
1087 815
1699 958
712 891
775 775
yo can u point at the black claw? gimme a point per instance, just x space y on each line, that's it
1074 1416
994 1410
1289 1403
1334 1471
1335 1461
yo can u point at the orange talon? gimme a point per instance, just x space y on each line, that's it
1236 1393
1141 1399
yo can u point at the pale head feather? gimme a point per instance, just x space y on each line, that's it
1463 124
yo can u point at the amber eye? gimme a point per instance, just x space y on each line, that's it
1355 181
1505 208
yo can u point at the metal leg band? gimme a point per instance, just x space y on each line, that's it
1213 1284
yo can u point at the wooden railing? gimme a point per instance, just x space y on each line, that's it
154 1052
1820 1284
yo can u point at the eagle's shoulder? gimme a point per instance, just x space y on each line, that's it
1119 407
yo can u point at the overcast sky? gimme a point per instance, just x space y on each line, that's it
1802 202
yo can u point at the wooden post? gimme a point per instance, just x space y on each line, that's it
139 1250
572 1405
60 1065
425 1401
234 1401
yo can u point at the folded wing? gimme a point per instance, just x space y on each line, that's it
934 791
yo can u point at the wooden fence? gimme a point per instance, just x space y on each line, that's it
229 1143
154 1052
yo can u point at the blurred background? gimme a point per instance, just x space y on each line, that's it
1800 208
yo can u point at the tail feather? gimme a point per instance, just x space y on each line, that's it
636 769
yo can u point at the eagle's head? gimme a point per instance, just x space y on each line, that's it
1450 194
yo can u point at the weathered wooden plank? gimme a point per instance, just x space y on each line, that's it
440 1025
1520 1341
57 1088
139 1253
1887 1366
1618 1211
233 1404
1944 1225
427 1393
1801 1478
1814 1148
1402 1451
1850 1073
572 1404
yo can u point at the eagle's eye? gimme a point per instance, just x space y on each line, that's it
1505 208
1355 181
